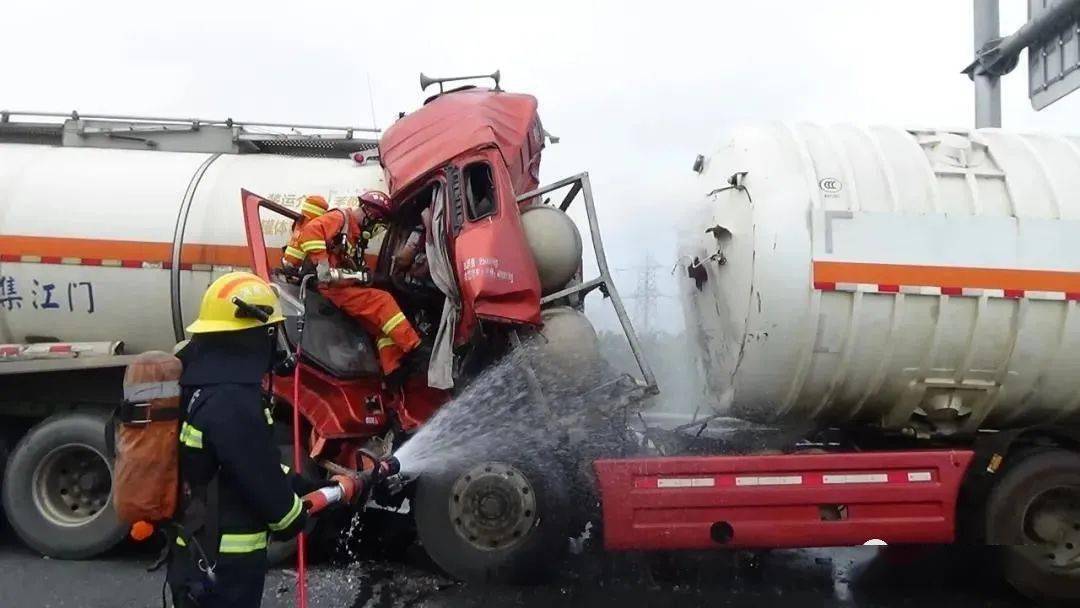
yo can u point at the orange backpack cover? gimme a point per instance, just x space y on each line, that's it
147 475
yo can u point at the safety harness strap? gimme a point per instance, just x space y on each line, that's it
142 413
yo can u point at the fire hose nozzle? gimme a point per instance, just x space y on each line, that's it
351 487
346 489
387 467
318 500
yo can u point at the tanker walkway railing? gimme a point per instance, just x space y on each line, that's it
180 134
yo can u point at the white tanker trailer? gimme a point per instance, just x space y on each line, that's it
916 280
110 230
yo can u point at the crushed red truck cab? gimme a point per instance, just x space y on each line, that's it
463 177
470 137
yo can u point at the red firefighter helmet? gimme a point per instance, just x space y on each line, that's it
376 204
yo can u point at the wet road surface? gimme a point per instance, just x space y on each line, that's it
861 577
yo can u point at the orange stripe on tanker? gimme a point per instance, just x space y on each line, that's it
47 247
947 276
130 254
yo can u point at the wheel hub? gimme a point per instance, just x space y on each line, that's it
72 485
90 481
1052 527
492 506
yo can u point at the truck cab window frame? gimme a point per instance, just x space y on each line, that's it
480 199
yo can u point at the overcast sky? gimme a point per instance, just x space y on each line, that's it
634 94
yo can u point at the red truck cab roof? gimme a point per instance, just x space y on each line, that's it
461 121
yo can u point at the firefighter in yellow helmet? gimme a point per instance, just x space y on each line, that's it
234 494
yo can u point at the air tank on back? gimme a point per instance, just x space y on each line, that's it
555 244
905 279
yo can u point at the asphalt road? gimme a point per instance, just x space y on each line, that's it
861 577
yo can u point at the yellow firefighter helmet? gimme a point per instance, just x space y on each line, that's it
237 301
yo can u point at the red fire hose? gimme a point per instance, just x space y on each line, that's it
301 541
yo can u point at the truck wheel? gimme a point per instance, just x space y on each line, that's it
497 520
57 488
1033 515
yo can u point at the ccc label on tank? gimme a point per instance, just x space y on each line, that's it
830 185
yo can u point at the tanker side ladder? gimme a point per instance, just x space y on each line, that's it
220 136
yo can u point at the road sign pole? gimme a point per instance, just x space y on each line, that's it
1052 38
987 84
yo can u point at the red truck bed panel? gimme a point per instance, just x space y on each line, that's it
801 500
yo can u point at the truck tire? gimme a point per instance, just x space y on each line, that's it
1033 516
57 488
494 519
5 450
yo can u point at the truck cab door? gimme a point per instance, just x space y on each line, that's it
495 268
262 259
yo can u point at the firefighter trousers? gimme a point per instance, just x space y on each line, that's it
239 582
380 315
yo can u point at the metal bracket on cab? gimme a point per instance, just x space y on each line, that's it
579 184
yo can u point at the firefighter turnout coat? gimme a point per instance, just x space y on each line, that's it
235 494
